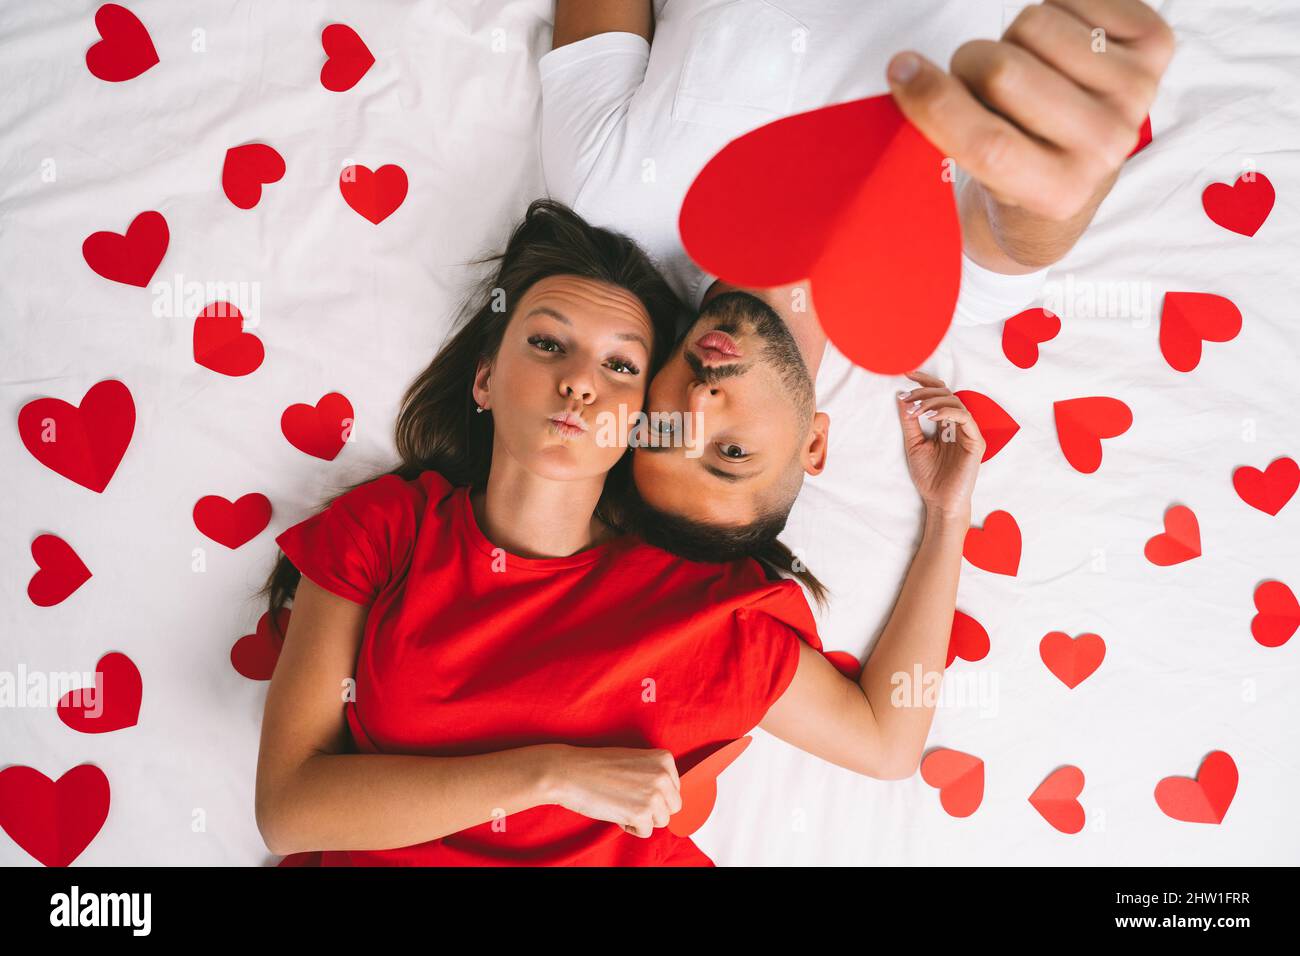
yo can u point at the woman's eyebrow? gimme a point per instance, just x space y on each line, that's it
560 317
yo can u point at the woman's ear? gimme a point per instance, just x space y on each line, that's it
480 389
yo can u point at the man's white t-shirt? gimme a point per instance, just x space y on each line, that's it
626 127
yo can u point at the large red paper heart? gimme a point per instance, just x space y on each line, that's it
254 655
1072 659
1057 799
247 169
967 639
232 523
846 664
61 571
1023 333
375 195
1279 614
699 787
113 704
1267 490
221 344
959 778
54 821
1189 318
995 546
1241 207
1179 542
83 443
319 430
995 425
347 58
125 51
131 258
1204 799
851 197
1081 424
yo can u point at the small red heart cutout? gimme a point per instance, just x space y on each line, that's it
1180 541
232 523
53 820
699 787
82 443
61 571
1057 799
131 258
995 546
374 195
1189 318
347 58
1144 138
221 344
112 704
1241 207
1204 799
967 640
1082 423
319 430
1279 614
958 776
247 169
851 197
1072 659
1023 333
1267 490
254 655
126 49
995 425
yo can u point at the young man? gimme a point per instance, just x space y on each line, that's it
634 105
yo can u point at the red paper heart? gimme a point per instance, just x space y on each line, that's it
1180 541
247 169
232 523
375 195
967 640
125 51
1023 333
1267 490
53 821
959 778
1279 614
113 704
1204 799
1189 318
82 443
1057 799
845 663
852 198
991 419
1081 424
130 258
221 344
347 58
994 547
61 571
1072 659
1241 207
1144 138
254 655
319 430
699 788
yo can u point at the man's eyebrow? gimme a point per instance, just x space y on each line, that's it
561 317
730 476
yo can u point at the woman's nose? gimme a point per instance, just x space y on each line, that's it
578 387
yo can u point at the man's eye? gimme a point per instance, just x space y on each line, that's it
664 425
544 343
626 368
732 451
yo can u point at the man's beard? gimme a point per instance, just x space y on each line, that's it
780 350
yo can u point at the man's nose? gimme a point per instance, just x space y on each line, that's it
702 396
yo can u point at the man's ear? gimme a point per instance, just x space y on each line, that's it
814 455
480 389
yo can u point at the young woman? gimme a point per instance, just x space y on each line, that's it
481 668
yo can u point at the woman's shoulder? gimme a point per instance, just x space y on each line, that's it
394 495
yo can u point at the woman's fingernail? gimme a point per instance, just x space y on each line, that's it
903 67
904 394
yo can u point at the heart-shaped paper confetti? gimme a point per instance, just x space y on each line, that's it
1204 799
83 443
1279 614
967 640
373 195
1189 318
126 49
1179 542
131 257
1057 799
222 344
61 571
995 425
995 546
53 820
699 787
1023 333
1072 659
347 58
1242 207
247 169
320 430
958 776
1267 490
254 655
113 703
1082 423
232 523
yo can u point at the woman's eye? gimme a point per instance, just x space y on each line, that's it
732 451
544 343
626 368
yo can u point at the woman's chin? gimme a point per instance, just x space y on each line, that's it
566 462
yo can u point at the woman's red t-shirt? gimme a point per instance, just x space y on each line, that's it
468 649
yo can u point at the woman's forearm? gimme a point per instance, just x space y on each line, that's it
914 644
383 801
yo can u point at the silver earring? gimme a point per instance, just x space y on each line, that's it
478 408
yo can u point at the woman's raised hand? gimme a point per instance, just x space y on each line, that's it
637 788
944 465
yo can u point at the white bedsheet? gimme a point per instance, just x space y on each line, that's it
345 306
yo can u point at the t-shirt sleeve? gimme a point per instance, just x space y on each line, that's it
352 546
776 624
586 89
